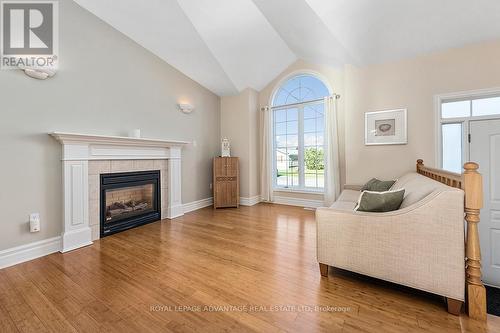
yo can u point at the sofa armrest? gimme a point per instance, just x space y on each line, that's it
353 187
421 246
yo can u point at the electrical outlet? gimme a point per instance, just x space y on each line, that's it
34 222
211 186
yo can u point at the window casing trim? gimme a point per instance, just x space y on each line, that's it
465 121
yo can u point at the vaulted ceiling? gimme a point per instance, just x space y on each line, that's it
229 45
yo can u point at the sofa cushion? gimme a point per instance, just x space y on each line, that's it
371 201
377 185
344 205
416 187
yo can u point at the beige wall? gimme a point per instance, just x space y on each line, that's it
334 77
107 84
410 84
239 123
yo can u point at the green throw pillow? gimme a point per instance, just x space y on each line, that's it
380 201
376 185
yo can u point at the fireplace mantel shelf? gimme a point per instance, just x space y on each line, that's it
65 137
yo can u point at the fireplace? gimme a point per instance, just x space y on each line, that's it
128 200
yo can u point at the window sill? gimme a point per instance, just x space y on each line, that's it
300 191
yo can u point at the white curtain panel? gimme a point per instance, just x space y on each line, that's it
266 181
332 168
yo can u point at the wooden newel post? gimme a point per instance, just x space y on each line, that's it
420 163
476 293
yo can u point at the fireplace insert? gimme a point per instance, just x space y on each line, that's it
128 200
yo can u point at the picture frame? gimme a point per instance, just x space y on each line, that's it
387 127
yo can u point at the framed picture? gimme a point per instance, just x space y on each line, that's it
387 127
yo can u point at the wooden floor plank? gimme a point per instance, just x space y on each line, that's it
180 276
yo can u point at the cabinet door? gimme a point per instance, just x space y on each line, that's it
220 193
233 193
219 166
232 167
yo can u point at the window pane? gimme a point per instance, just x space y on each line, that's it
314 110
293 179
281 159
310 139
320 124
455 109
280 128
486 106
309 125
292 114
293 157
320 138
452 147
280 115
292 127
310 179
314 159
280 141
313 139
321 179
292 141
281 179
309 112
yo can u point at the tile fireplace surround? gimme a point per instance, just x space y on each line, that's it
85 157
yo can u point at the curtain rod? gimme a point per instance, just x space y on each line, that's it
284 106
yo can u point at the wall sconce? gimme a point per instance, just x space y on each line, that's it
186 108
40 73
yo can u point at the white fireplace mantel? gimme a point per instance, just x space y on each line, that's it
79 149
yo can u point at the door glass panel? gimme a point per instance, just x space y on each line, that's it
455 109
452 147
486 106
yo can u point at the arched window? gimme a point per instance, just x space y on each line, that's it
300 88
298 131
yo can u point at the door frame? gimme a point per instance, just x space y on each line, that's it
484 186
465 121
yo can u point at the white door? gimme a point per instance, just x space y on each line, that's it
485 150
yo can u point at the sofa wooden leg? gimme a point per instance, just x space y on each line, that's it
454 306
323 269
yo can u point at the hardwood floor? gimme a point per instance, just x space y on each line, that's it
145 280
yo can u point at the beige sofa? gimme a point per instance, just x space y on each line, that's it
421 245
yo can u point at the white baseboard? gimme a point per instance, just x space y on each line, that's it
298 202
174 211
195 205
19 254
76 239
249 201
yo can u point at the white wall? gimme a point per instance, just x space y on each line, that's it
107 84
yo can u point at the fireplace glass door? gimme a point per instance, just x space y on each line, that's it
122 203
129 200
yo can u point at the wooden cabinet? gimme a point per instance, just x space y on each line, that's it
226 182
